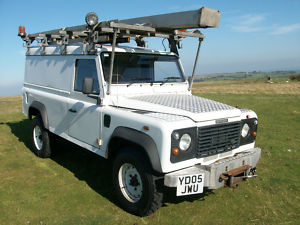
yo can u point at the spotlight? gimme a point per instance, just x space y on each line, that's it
91 19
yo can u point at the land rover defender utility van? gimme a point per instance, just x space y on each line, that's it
134 106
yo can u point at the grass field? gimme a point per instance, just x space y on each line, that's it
245 75
73 186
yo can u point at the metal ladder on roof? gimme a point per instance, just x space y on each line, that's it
171 26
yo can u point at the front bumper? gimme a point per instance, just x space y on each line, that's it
213 172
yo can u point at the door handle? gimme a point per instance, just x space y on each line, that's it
73 110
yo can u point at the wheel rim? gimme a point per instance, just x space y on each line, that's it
130 182
37 137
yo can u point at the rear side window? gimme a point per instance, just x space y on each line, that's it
86 68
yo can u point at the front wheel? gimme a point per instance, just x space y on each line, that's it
40 138
135 185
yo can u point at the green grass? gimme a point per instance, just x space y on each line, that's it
73 186
245 75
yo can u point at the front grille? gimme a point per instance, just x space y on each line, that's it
218 138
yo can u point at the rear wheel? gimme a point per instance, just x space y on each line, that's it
135 185
40 138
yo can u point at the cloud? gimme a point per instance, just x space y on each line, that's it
249 23
278 30
231 12
246 29
250 19
254 23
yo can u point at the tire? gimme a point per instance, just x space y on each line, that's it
140 194
40 138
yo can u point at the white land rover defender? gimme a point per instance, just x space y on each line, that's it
134 106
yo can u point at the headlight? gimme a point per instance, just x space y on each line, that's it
255 122
248 131
185 142
245 130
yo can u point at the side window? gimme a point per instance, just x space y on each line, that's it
86 68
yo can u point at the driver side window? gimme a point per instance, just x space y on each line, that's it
86 68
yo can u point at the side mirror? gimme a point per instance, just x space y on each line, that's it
88 85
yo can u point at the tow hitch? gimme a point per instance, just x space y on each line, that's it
232 178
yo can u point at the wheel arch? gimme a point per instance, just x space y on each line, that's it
36 108
124 137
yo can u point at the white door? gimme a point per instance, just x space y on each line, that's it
84 113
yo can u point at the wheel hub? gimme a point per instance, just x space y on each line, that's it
37 137
130 182
134 181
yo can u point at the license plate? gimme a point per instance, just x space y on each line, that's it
190 184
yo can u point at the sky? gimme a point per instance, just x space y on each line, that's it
260 35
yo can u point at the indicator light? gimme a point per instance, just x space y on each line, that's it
175 151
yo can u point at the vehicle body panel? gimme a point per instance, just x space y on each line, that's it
162 108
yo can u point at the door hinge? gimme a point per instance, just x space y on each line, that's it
99 141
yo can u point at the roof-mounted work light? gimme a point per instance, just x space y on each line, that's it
91 19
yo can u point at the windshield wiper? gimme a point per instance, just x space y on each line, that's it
170 78
138 79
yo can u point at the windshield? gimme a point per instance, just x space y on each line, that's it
142 68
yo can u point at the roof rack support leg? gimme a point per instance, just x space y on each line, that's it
84 48
112 60
28 43
140 41
195 63
64 43
43 44
173 45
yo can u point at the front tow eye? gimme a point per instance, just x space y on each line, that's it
233 177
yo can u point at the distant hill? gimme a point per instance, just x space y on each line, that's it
243 75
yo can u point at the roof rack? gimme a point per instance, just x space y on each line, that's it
171 26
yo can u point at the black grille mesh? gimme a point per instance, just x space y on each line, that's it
218 138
